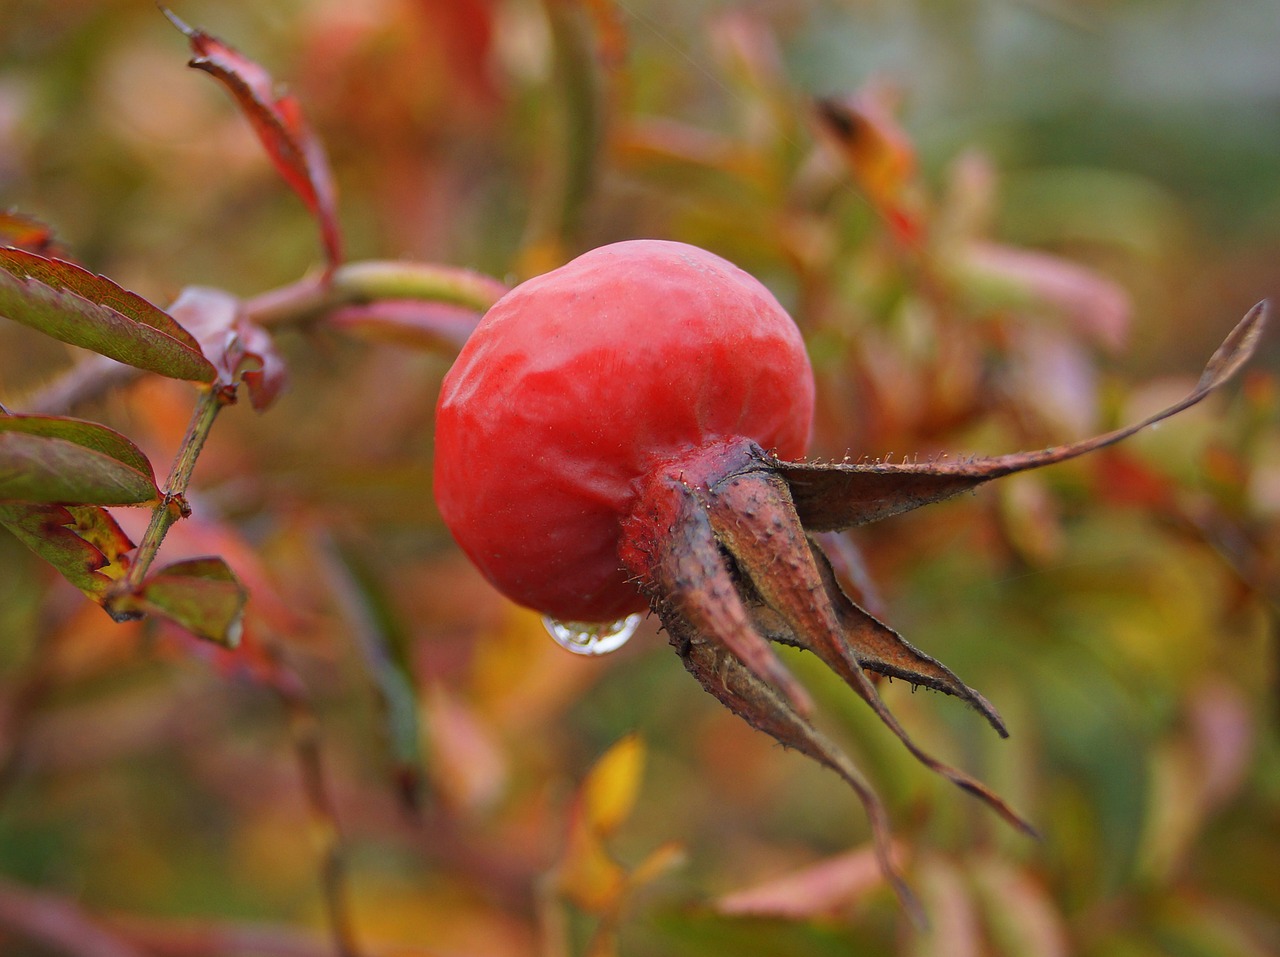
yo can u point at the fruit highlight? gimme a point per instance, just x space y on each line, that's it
623 433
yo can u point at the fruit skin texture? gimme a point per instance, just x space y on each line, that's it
578 384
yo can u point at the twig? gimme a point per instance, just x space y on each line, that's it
297 304
173 504
305 731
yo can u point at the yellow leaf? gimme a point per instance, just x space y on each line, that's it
609 792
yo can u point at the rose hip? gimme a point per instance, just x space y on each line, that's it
577 384
622 433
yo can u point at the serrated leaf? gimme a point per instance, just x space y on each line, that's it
83 309
83 543
202 595
293 147
89 434
48 470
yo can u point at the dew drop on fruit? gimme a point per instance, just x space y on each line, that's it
592 638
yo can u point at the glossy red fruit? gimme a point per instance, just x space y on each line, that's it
579 383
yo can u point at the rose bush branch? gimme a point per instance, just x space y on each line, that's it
299 304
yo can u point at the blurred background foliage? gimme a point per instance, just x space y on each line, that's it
1050 213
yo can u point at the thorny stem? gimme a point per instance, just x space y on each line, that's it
172 505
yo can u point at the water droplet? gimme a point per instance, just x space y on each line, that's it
592 638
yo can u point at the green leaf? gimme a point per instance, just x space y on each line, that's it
70 303
202 595
58 471
83 543
89 434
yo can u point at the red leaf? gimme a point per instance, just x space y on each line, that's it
465 29
866 133
293 147
73 305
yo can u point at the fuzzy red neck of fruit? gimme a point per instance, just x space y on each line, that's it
657 510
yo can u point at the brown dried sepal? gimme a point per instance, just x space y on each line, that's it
723 543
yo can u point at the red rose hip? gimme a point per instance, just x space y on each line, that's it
579 383
637 409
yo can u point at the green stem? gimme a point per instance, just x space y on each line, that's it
172 505
371 281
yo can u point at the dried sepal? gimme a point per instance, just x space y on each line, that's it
671 547
754 520
724 542
725 677
835 496
883 651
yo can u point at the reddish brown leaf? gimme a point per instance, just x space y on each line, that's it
836 496
70 303
880 156
465 29
293 147
83 543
